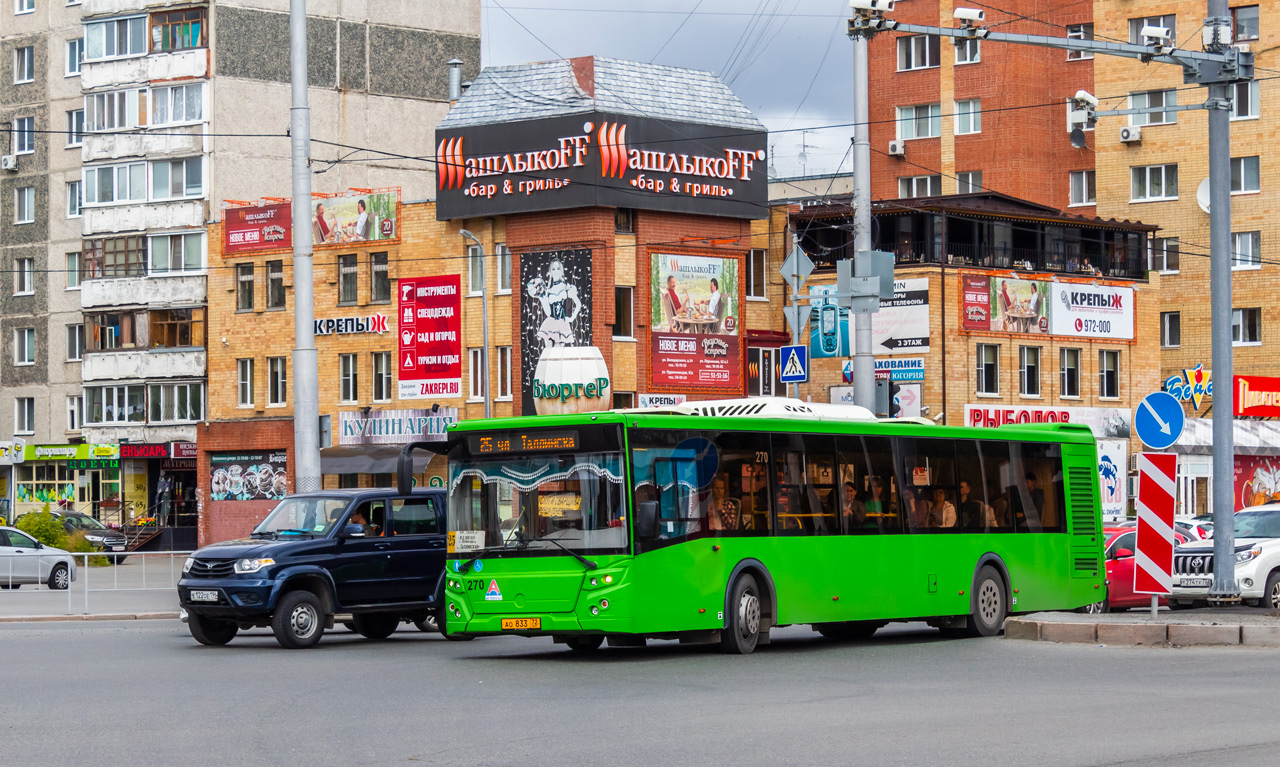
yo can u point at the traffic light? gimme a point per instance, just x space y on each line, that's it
894 408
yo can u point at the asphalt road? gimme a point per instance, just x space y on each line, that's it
143 692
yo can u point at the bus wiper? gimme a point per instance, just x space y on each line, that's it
587 563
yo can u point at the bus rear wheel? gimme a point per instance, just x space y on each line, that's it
990 606
849 630
742 630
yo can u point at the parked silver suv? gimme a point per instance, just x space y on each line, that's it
23 559
1257 561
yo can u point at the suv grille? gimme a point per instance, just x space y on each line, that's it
212 568
1193 564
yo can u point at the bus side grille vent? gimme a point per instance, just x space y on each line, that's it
1084 518
1086 565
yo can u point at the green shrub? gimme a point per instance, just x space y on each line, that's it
79 544
44 527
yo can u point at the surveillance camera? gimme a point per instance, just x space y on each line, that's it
871 5
1155 35
1086 97
969 14
939 417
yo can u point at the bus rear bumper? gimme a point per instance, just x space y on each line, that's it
559 624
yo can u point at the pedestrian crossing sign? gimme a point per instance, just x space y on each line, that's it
795 364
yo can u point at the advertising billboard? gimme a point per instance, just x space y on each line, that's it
1256 396
694 307
267 227
598 159
1019 306
1092 311
430 342
555 309
255 476
347 219
900 327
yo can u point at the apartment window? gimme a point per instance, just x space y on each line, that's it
177 104
1069 372
177 328
504 372
349 372
382 376
1154 182
24 205
107 184
968 116
24 277
73 271
347 279
624 221
920 121
1108 373
75 412
1163 254
1079 32
918 52
1245 21
75 56
107 331
1170 329
177 179
968 50
475 360
115 110
24 415
177 252
115 257
919 186
176 403
1246 327
622 307
1244 175
1169 22
244 287
1246 101
1029 370
23 6
1084 187
24 135
277 381
24 346
178 30
115 38
757 263
115 404
379 279
24 64
1246 250
275 284
968 181
75 342
1153 100
624 400
988 369
475 265
504 267
244 382
73 199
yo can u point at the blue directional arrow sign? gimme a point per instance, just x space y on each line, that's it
795 364
1159 420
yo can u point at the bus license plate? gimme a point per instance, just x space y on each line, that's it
1196 583
204 596
521 624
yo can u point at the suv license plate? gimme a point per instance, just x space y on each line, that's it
117 548
1196 583
519 624
210 596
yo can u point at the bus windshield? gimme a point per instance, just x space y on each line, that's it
538 490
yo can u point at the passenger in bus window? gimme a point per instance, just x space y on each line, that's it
939 511
853 512
974 513
723 512
875 503
1036 494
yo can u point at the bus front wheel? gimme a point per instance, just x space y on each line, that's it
742 630
990 606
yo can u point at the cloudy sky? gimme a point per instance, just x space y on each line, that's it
788 60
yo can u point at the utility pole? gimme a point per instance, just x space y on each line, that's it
864 361
306 391
484 316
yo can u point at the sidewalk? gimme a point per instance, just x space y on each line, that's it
128 591
1215 626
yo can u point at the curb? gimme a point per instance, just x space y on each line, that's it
1144 634
89 617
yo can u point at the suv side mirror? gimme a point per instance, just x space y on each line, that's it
1123 553
351 530
647 519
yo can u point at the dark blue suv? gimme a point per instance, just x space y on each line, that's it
373 553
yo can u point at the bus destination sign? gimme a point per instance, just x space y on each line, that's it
522 442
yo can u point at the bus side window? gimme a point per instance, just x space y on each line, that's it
867 486
982 502
804 473
1037 486
738 503
929 473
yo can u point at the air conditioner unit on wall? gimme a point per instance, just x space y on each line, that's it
1131 134
9 162
898 148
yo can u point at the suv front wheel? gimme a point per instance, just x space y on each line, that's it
298 621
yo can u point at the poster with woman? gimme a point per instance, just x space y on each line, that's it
555 309
1019 306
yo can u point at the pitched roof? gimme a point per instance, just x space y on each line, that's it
593 83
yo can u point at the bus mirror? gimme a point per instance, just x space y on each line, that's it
647 519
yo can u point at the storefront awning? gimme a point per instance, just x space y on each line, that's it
1250 437
368 459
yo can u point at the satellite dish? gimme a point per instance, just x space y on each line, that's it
1202 195
1078 140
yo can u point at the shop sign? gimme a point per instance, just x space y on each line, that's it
394 427
374 323
1257 480
661 400
430 343
1257 396
183 450
696 338
93 463
555 310
571 379
901 369
130 450
1194 384
1092 311
975 302
1106 422
248 476
347 219
69 452
600 160
1041 307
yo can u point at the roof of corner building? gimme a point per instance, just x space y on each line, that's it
551 89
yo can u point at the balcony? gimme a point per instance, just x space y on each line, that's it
137 432
143 215
143 291
179 141
142 364
192 63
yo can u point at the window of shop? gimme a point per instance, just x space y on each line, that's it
51 482
350 375
177 328
115 404
110 330
382 376
1108 373
379 279
115 257
176 403
277 381
624 399
988 368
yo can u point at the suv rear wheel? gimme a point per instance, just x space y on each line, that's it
375 625
298 620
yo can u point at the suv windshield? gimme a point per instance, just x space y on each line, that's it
574 498
1258 524
315 516
83 522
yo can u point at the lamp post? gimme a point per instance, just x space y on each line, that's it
484 316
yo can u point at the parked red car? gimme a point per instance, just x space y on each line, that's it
1121 543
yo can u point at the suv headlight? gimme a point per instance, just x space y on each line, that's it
93 538
1245 556
252 565
186 566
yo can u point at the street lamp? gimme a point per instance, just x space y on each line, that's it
484 316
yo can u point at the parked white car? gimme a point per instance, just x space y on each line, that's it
23 559
1257 561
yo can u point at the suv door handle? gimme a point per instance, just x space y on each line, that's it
382 545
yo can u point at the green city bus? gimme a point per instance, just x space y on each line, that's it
719 521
